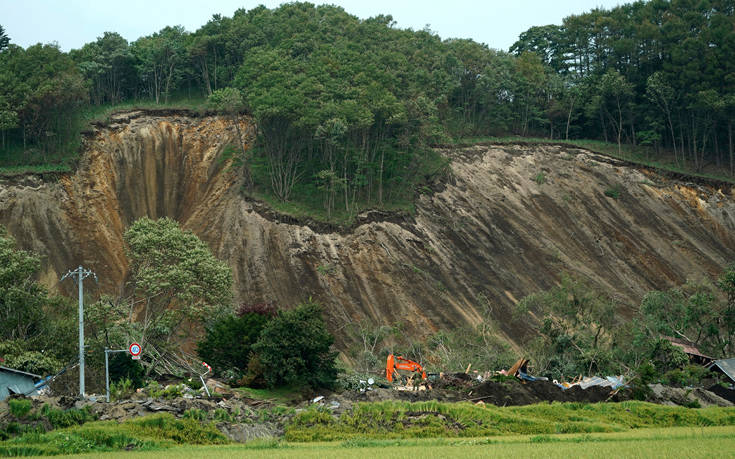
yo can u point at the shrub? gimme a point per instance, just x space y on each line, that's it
295 349
540 178
613 192
646 375
121 389
228 342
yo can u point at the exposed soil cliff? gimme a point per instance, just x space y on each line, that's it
507 223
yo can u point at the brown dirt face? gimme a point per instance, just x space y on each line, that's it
492 234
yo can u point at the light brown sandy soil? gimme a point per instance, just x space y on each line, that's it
490 235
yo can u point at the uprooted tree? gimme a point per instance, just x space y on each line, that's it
175 284
581 331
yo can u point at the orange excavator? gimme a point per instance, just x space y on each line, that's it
395 363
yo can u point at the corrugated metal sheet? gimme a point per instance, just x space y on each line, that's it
13 370
727 366
16 382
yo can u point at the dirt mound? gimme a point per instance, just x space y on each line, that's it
509 393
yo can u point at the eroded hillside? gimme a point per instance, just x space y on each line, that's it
507 223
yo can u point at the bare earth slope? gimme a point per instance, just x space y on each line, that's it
494 233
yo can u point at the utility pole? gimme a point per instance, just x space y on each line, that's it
79 275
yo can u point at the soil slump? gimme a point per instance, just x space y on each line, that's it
495 232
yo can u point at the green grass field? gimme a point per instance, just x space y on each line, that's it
679 442
387 420
369 428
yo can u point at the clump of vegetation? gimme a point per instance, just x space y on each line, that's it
294 348
151 432
228 343
580 332
31 318
19 407
60 419
168 266
613 191
540 178
121 389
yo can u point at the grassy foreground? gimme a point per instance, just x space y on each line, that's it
388 420
432 428
677 442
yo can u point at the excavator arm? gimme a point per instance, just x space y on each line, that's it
395 363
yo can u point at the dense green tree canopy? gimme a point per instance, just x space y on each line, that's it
346 107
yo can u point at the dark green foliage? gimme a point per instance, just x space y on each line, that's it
4 39
228 342
581 334
162 256
613 192
666 357
699 311
295 349
29 318
45 91
122 367
345 107
646 374
21 297
689 375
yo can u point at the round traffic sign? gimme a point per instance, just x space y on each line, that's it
135 349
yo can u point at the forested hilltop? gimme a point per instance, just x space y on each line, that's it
346 108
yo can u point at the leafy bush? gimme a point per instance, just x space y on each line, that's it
122 367
295 349
540 178
690 375
228 342
667 357
646 375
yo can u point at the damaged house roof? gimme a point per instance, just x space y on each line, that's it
14 381
727 366
688 347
